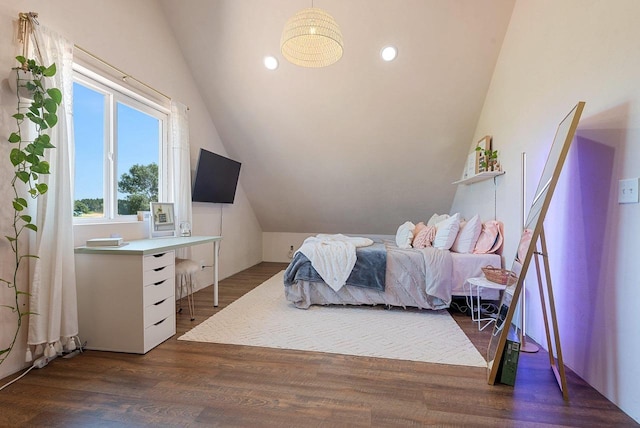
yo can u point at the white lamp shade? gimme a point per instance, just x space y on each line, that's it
311 38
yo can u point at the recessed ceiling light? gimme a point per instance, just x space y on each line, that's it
389 53
271 62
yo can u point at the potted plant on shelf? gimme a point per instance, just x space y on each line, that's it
27 156
488 159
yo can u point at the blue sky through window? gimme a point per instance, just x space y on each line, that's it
138 140
88 121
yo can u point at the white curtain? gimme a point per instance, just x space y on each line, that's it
181 167
53 288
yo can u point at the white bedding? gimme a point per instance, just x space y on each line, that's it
407 282
333 256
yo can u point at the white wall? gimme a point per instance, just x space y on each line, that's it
135 37
554 55
366 128
276 245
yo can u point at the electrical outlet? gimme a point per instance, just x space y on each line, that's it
628 191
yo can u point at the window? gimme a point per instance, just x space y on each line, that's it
120 149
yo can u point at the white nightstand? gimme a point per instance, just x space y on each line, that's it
477 284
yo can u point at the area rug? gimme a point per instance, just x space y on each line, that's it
263 317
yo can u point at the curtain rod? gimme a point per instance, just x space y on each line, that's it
125 76
26 21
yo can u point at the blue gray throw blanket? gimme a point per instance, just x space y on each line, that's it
369 271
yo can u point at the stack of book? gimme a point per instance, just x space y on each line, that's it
105 242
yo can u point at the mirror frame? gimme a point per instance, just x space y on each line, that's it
542 199
162 219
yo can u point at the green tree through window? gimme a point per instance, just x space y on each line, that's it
140 185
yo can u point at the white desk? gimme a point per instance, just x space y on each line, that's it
126 295
479 283
143 247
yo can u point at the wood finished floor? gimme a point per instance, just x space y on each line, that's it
199 384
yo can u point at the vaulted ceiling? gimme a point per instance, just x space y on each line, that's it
359 146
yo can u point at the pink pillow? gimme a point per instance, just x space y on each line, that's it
425 237
419 227
490 239
525 240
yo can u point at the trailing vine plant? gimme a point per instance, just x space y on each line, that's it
28 160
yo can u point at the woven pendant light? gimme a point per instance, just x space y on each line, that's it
311 38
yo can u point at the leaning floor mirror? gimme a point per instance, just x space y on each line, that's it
532 236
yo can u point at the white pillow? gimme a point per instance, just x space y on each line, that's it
446 232
404 235
437 218
468 236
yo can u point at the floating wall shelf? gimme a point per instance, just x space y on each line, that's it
479 177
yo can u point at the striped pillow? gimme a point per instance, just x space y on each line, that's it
424 237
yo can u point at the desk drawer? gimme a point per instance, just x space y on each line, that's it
158 291
159 274
160 331
158 311
155 261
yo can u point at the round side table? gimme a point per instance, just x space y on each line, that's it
473 300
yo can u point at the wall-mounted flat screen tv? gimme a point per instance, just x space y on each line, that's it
216 178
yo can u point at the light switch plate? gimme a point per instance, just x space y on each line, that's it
628 191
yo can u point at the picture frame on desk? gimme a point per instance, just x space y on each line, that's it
162 220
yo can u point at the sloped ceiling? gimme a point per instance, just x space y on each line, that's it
359 146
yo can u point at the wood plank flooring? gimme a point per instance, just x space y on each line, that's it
199 384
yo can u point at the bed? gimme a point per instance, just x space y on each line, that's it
425 278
